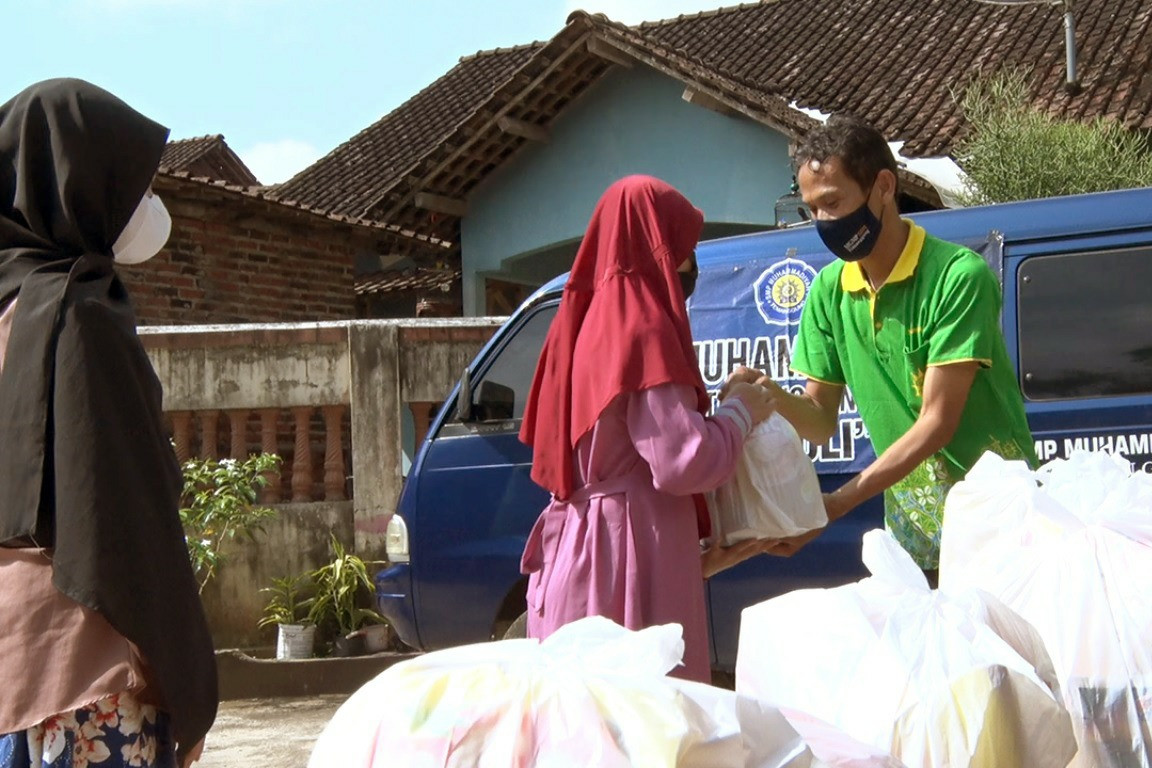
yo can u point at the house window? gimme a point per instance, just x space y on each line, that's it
1085 324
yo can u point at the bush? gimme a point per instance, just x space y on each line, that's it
342 587
1014 151
287 601
219 504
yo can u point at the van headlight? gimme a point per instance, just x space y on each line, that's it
396 540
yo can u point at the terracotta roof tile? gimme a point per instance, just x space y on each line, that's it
418 279
207 156
181 152
417 241
898 63
348 179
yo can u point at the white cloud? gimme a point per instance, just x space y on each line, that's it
636 11
276 161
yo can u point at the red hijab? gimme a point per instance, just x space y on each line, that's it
622 325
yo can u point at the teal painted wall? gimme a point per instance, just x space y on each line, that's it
525 220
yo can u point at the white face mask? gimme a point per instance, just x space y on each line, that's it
145 233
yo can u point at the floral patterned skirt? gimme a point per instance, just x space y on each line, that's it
110 733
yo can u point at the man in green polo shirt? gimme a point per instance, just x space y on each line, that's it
911 324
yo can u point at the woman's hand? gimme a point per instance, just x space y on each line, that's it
792 545
741 375
717 558
760 401
193 754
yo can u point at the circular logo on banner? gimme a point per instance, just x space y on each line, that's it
781 290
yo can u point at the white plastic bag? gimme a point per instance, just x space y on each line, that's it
592 694
774 493
1069 548
936 679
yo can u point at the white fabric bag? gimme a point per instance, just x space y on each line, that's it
1069 548
592 694
936 679
774 493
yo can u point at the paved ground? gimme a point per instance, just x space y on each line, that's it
267 732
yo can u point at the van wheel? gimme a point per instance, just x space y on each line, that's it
518 629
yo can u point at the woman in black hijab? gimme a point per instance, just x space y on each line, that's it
98 604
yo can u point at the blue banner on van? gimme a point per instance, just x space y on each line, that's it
748 314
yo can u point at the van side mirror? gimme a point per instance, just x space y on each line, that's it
464 397
494 402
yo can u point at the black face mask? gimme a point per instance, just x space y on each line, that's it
851 237
688 280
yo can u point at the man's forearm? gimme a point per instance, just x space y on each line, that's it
926 437
811 421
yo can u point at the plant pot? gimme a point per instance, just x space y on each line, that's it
377 637
295 641
352 645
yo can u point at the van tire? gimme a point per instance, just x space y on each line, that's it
518 629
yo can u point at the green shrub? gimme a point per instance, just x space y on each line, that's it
219 503
1014 151
342 586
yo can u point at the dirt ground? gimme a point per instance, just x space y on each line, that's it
267 732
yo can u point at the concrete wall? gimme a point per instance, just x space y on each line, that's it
251 366
294 542
375 368
633 121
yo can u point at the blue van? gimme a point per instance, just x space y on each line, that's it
1077 279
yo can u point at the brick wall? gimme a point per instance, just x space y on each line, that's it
234 259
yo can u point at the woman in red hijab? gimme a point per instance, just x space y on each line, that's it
618 423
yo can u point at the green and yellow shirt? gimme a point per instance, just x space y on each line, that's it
940 305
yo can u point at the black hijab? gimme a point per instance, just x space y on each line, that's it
86 466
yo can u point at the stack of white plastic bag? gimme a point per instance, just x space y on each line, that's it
592 694
1069 548
934 678
774 492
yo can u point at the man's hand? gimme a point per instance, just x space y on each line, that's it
836 505
717 558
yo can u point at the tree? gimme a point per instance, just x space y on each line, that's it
1014 151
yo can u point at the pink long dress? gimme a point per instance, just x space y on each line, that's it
625 545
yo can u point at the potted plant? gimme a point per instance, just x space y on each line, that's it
287 608
342 588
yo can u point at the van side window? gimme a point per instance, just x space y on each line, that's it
1085 324
502 391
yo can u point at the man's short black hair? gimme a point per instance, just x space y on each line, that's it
860 148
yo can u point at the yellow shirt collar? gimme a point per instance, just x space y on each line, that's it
852 276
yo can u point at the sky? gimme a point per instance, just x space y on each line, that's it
285 81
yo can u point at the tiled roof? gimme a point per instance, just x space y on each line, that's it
379 176
181 152
348 179
210 157
411 280
413 242
898 63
